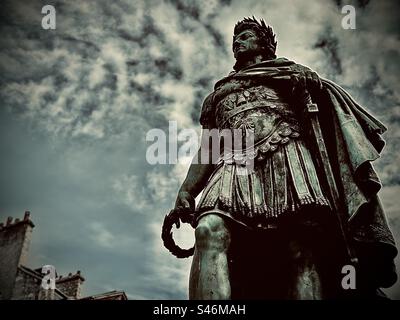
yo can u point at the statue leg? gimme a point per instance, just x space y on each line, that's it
305 272
209 275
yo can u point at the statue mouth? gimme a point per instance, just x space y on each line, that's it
237 48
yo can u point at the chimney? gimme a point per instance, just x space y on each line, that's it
14 245
27 215
71 285
9 221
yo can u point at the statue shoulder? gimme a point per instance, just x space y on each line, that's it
300 67
206 117
221 89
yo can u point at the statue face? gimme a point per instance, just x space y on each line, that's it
245 43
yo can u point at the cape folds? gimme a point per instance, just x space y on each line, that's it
353 139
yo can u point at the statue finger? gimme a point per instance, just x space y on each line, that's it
174 217
320 84
309 79
303 83
192 204
295 80
186 204
316 80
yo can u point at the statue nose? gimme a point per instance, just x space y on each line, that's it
237 44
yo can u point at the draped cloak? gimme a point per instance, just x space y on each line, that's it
353 140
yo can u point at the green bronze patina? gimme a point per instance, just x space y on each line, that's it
285 229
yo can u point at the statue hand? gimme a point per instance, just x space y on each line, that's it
306 78
184 205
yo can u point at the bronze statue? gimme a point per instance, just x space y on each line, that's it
285 228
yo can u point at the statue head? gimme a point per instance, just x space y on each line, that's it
251 37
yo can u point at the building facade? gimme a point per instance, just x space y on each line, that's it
19 282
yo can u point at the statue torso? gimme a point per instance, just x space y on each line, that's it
276 174
265 110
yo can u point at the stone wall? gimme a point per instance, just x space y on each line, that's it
15 238
19 282
71 285
26 287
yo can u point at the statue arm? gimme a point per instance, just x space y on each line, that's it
199 172
197 177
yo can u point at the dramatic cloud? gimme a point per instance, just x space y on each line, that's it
76 103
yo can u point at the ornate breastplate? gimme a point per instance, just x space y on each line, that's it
263 111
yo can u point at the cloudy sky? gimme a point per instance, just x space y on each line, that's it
76 103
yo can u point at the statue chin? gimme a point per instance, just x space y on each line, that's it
247 57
